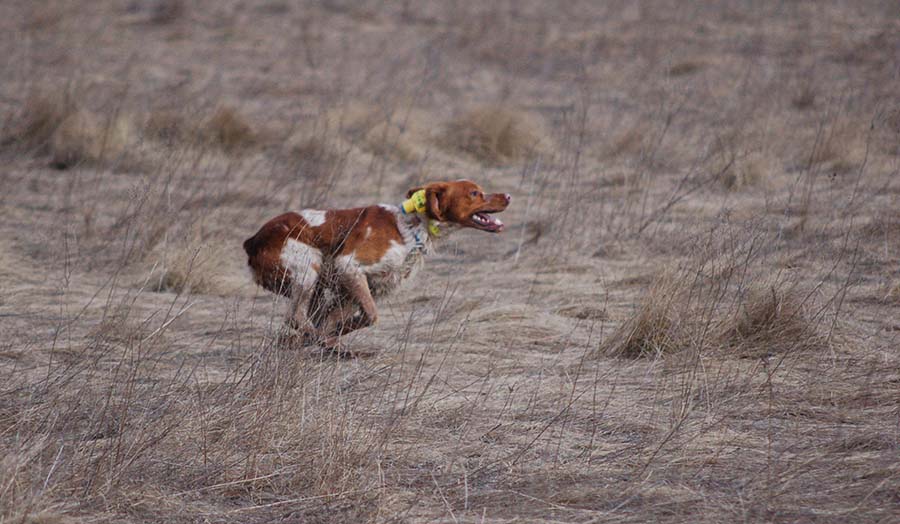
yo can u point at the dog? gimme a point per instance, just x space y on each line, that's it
333 263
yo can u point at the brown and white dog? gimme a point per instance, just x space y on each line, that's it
332 263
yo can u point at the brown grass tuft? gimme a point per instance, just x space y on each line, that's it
839 147
772 318
387 139
892 292
687 67
55 125
805 97
630 142
740 172
167 126
229 130
317 158
494 135
84 137
166 11
38 119
193 267
656 328
389 134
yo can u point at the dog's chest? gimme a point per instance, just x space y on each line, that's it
400 262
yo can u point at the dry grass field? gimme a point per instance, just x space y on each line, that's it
693 315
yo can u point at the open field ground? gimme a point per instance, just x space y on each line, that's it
692 316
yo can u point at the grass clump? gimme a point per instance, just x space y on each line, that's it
54 124
193 267
682 310
494 135
229 130
656 328
38 119
84 137
772 318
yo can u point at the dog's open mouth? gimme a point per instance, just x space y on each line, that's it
485 222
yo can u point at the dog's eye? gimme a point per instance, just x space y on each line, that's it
473 194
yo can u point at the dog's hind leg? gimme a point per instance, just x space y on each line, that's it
304 264
344 318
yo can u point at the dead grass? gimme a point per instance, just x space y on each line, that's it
55 125
190 269
166 11
38 119
167 126
494 135
892 292
390 140
658 325
839 146
688 67
773 318
737 171
398 134
83 137
548 373
681 311
229 130
628 143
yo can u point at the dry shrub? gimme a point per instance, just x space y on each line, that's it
749 171
892 292
738 160
167 126
739 172
388 134
315 160
494 135
193 267
805 97
226 129
38 119
839 147
54 124
229 130
772 318
700 310
389 140
164 12
630 142
658 325
83 137
685 68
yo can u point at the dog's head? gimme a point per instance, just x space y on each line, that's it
463 203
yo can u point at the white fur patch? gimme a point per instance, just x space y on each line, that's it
313 217
298 258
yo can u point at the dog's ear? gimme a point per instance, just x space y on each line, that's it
435 198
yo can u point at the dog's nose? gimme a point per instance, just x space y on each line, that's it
507 197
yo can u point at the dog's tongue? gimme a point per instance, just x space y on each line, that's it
488 220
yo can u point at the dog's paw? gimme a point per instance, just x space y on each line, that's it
291 338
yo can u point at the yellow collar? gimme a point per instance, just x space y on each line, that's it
416 204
